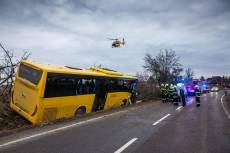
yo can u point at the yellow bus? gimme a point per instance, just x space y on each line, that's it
45 92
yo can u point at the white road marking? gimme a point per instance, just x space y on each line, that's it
178 108
225 110
57 129
126 145
139 101
161 119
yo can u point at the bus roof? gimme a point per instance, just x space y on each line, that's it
93 71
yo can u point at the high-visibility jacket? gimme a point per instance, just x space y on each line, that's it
162 89
197 93
171 91
163 93
175 93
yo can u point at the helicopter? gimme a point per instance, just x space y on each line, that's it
117 43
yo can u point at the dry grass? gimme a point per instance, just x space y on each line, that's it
8 118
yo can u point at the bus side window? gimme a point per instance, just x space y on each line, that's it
66 87
59 86
85 86
116 85
92 85
88 85
79 90
49 91
122 86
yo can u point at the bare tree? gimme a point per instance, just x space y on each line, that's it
7 69
142 77
189 73
165 67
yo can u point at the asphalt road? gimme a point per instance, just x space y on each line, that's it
147 128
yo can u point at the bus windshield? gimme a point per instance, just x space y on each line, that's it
30 74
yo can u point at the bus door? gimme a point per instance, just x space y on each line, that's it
100 97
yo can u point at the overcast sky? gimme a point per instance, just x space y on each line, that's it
75 33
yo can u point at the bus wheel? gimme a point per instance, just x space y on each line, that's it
80 111
124 103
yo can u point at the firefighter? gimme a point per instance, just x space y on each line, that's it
182 96
175 96
167 92
163 92
171 91
198 95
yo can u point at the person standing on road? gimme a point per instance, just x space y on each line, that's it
133 97
182 96
198 95
167 93
163 92
175 96
171 93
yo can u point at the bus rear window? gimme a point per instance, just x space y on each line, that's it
30 74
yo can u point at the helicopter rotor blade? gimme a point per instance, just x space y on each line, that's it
112 38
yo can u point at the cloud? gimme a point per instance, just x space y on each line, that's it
75 33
